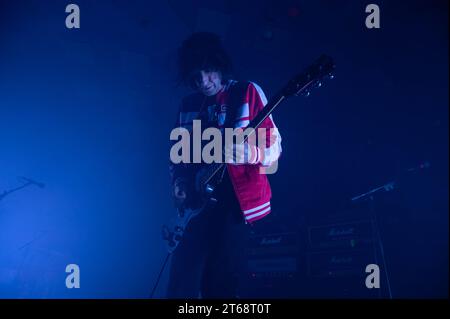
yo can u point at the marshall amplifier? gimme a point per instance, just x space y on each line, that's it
273 244
339 263
273 255
272 267
336 259
340 273
347 235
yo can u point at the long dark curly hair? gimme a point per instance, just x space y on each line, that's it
202 51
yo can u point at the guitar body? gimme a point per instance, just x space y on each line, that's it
200 199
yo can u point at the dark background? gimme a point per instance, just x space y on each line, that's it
88 111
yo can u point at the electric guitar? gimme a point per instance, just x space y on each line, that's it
210 175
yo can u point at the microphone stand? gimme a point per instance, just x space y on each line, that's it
375 228
370 197
7 192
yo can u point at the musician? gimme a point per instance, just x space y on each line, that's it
210 257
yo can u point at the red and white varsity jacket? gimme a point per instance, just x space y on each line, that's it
235 106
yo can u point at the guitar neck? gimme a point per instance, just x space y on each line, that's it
263 114
254 124
301 83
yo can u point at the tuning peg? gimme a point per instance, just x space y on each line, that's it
331 76
306 93
318 84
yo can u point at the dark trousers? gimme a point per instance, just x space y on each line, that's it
211 258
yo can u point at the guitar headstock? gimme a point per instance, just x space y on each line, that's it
312 77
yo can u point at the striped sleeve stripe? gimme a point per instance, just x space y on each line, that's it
254 154
272 153
257 215
248 211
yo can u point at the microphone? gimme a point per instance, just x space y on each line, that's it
41 185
